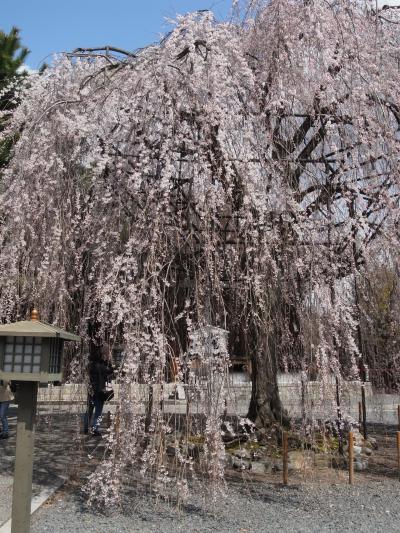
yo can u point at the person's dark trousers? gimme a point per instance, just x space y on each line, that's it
96 405
3 416
98 411
88 415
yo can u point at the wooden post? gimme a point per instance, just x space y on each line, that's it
398 450
360 417
351 458
22 488
398 416
285 457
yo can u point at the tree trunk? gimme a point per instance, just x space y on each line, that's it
265 407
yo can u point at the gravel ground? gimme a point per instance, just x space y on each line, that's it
5 497
6 488
256 508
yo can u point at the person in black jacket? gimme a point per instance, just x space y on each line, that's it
100 373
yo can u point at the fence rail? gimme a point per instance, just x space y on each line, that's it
316 399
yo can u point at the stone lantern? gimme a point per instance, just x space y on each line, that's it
31 352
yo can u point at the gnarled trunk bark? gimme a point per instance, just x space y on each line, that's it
265 407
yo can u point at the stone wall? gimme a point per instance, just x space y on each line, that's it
319 398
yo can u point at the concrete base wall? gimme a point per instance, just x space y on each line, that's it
319 398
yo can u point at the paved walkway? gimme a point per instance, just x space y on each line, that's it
56 441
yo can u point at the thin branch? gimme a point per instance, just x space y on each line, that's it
105 49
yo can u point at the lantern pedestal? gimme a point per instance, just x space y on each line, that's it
31 352
22 489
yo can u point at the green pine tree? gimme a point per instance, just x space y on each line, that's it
12 57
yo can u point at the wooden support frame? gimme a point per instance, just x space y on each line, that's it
22 488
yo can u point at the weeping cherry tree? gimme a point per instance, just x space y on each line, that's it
232 176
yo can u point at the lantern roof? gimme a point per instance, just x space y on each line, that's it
35 328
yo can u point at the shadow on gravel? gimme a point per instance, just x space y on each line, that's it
58 448
290 496
142 506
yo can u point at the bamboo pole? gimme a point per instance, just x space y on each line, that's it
364 408
351 458
285 457
339 416
398 450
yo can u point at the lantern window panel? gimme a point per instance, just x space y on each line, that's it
36 369
22 353
55 356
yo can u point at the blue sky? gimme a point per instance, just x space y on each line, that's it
49 26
